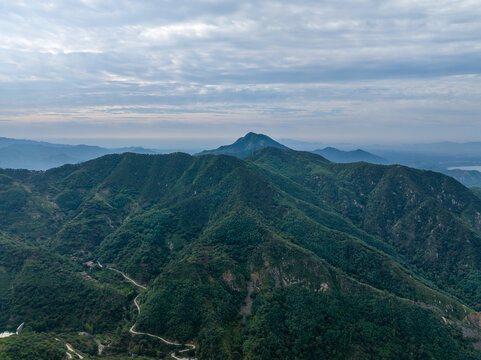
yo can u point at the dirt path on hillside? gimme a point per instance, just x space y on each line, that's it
132 328
127 277
71 349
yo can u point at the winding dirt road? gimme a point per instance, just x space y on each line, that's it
71 349
127 277
137 305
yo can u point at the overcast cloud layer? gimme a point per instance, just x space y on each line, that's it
357 71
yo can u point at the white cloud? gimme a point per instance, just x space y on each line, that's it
304 64
189 30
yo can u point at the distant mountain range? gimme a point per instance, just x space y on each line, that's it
245 146
39 155
341 156
432 159
441 148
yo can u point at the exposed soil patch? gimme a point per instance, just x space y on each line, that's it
246 308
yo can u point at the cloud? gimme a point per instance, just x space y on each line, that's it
295 68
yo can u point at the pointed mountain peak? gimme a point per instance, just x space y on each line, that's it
245 146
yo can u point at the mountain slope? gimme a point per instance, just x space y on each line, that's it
282 255
48 292
468 178
245 146
476 191
429 218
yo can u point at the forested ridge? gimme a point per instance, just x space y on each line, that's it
283 255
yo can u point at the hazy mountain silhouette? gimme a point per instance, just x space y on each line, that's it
245 146
341 156
40 155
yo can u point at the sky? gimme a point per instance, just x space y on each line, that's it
171 73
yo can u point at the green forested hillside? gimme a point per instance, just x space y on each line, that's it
282 255
31 346
476 190
432 221
48 292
